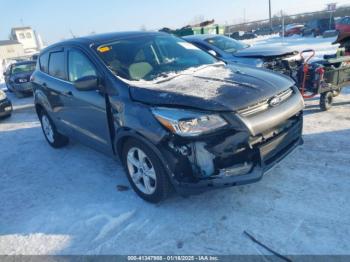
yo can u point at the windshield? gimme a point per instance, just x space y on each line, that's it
226 44
149 57
23 68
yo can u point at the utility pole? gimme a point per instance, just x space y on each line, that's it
331 8
283 29
270 15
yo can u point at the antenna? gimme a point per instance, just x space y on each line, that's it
71 32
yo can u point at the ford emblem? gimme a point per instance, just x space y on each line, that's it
275 101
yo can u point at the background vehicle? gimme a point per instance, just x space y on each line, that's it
263 31
174 115
279 59
318 27
343 26
17 77
240 35
293 29
5 105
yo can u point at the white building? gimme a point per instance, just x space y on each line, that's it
26 36
10 49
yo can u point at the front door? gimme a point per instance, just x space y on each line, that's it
86 114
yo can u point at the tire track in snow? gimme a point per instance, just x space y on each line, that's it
113 224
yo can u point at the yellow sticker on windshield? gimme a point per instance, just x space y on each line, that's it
103 49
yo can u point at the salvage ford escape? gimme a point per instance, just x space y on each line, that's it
174 115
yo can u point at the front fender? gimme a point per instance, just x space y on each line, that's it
126 133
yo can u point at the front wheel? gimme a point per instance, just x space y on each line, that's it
145 171
326 101
55 139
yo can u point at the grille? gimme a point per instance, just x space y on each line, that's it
265 104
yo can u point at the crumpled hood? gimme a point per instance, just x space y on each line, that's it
216 88
266 51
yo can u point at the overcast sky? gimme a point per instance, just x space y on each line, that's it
55 19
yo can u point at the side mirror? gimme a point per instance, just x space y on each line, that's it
5 74
212 52
87 83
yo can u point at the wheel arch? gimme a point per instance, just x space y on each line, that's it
126 134
41 102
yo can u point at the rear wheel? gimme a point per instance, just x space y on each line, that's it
145 171
326 101
54 138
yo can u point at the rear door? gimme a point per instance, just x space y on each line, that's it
86 113
56 87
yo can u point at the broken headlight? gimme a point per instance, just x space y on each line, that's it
188 123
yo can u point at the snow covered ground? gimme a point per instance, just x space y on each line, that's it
66 201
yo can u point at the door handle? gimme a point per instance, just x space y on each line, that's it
44 84
67 93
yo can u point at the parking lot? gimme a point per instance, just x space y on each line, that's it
67 202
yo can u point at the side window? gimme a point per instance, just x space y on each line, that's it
44 62
79 66
201 46
57 65
206 48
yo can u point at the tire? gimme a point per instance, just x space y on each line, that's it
55 139
326 101
147 175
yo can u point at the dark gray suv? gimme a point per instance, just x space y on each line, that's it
175 116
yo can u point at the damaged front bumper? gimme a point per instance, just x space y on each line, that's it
23 88
233 159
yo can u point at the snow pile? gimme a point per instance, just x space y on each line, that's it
36 244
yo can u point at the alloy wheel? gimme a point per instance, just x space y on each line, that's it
47 127
141 170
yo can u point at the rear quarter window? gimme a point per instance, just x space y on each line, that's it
57 65
44 62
